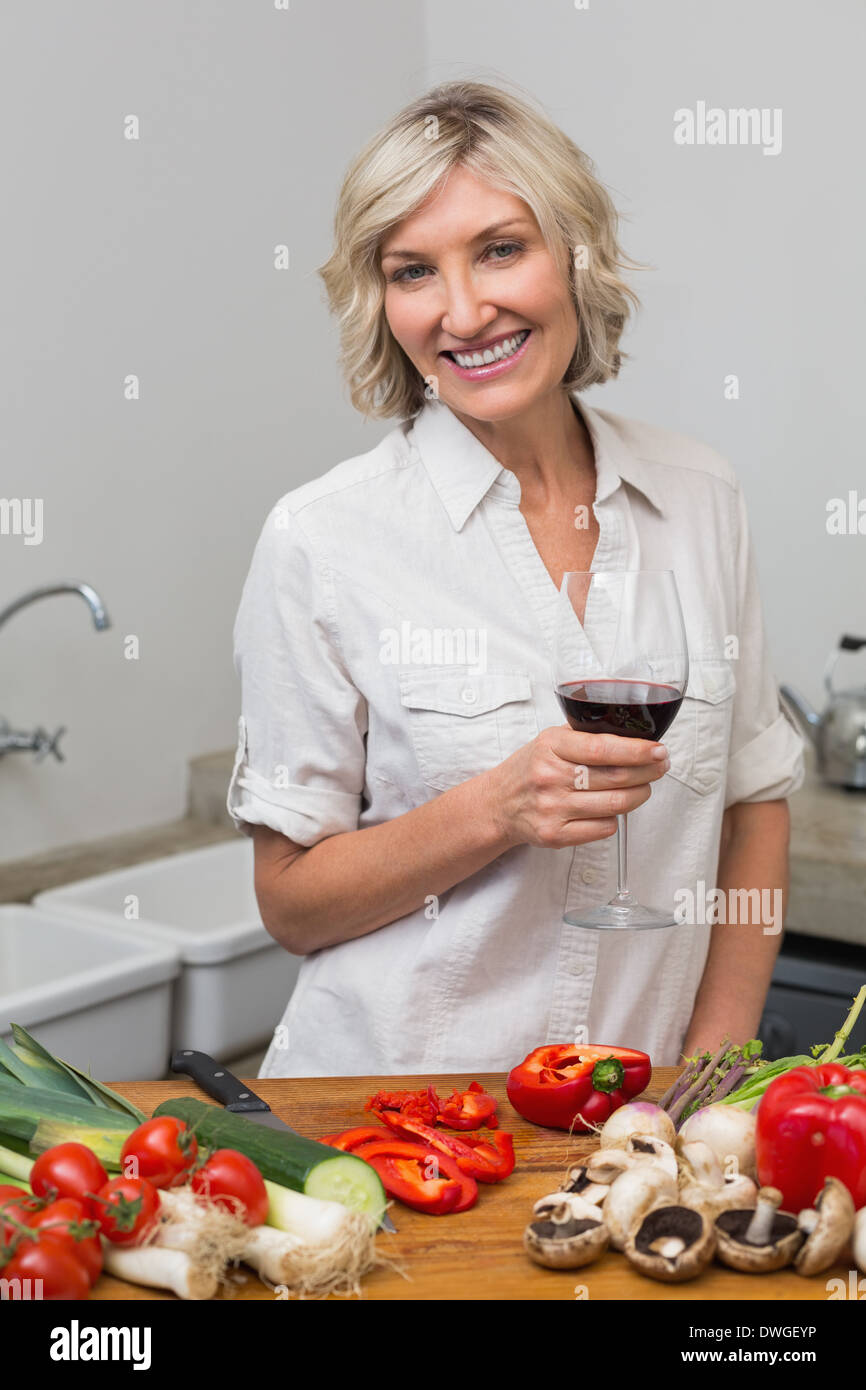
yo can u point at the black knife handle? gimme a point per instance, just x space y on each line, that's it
217 1081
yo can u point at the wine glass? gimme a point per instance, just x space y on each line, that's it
621 666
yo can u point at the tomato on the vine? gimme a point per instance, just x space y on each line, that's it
68 1170
233 1181
68 1219
162 1150
50 1259
126 1209
17 1208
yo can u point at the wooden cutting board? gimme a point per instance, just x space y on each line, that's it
477 1254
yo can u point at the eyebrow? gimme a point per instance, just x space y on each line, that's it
480 236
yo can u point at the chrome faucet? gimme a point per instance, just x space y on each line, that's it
39 740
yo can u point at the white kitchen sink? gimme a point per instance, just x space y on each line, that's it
235 980
91 996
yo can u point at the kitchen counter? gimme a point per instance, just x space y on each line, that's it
22 879
828 860
478 1254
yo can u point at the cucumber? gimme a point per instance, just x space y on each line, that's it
284 1157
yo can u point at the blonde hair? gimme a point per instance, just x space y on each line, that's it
503 140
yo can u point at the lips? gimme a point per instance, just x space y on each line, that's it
500 358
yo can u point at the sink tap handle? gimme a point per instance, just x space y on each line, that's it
48 743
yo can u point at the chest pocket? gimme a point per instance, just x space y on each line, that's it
462 723
699 736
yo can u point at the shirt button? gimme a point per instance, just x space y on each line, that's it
468 695
588 875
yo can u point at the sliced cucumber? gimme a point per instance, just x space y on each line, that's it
355 1184
286 1158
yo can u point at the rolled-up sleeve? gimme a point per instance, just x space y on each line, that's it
766 749
300 759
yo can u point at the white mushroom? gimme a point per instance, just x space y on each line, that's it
642 1185
858 1240
647 1148
760 1240
568 1236
606 1165
575 1201
828 1225
699 1164
702 1183
672 1243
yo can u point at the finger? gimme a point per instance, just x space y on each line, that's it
601 804
594 779
607 750
581 832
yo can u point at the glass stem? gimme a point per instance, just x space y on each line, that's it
621 856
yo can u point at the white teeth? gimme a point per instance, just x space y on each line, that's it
495 354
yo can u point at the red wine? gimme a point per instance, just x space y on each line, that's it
631 709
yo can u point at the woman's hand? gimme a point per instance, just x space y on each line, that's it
567 788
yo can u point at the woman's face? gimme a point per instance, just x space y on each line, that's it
466 272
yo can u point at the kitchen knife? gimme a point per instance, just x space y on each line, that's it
219 1083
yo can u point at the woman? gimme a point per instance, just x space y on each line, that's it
402 764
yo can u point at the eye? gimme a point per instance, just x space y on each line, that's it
405 275
506 246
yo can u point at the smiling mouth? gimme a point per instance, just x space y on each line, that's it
482 357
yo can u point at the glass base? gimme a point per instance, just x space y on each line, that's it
622 913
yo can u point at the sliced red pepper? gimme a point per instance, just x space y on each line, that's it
424 1104
429 1182
469 1154
469 1109
565 1086
496 1152
349 1139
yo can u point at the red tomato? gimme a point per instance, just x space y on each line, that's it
161 1150
50 1259
127 1209
68 1170
68 1218
16 1205
229 1178
9 1190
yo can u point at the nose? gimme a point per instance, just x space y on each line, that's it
466 311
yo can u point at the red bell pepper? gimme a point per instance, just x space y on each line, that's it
811 1124
429 1182
559 1084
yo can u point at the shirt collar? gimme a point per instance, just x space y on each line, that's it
462 470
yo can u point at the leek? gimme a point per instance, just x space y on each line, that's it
18 1165
7 1180
46 1118
29 1064
45 1101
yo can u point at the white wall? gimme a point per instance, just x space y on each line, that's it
759 268
155 257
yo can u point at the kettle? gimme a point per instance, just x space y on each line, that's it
839 734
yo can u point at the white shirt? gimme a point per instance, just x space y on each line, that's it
354 711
